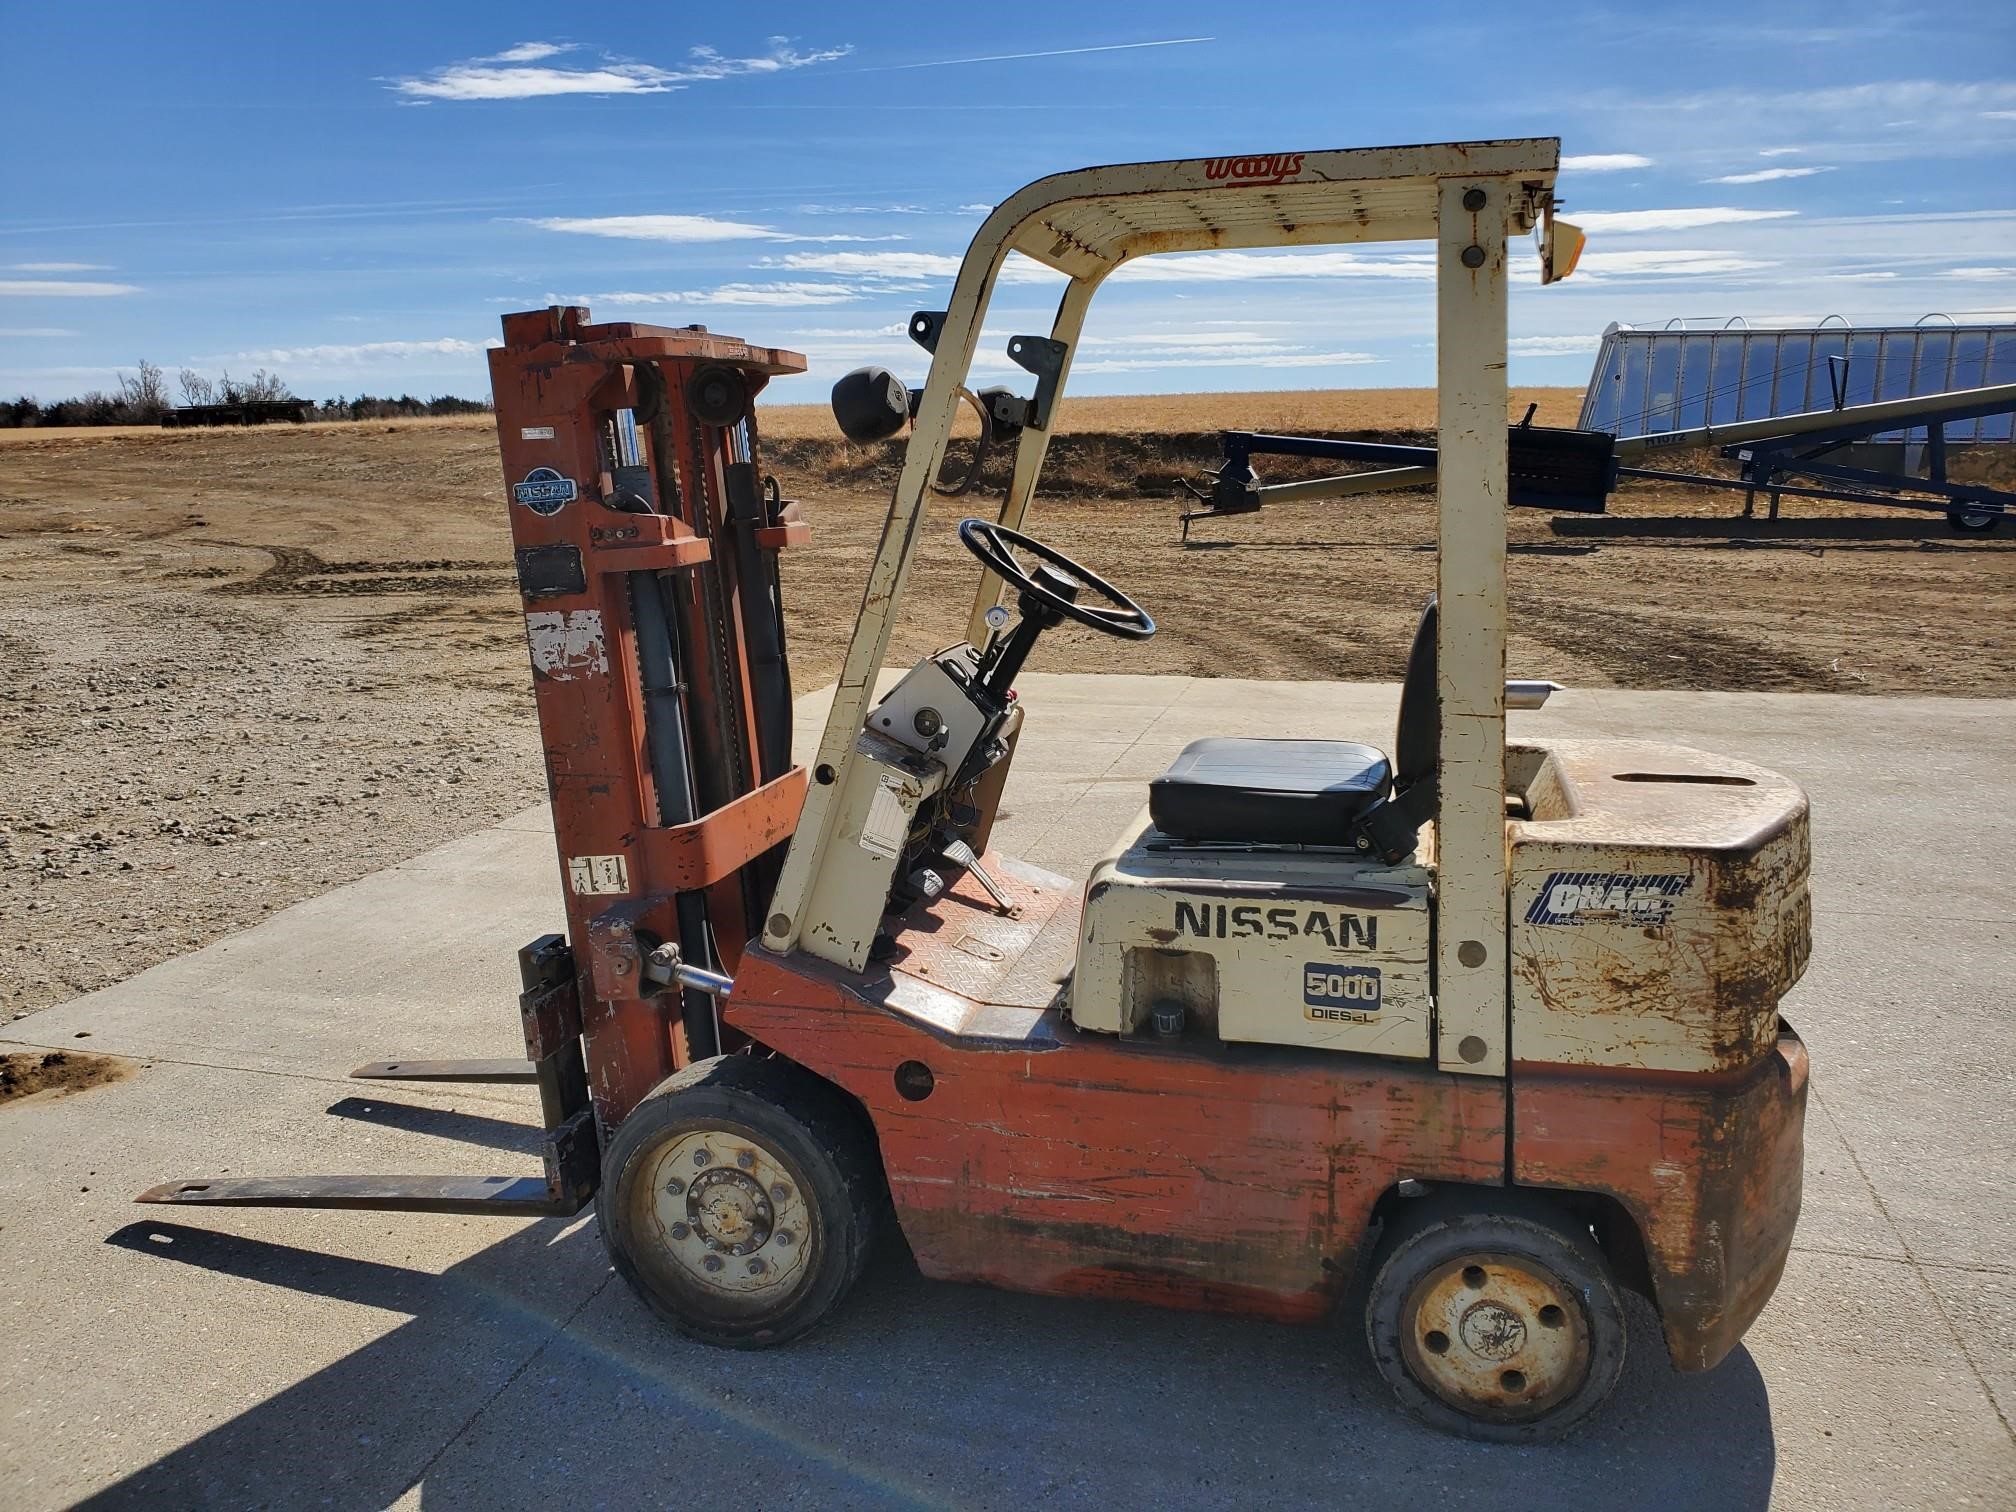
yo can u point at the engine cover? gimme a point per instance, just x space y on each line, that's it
1287 947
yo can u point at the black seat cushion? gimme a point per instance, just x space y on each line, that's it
1268 792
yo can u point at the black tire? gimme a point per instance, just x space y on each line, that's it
767 1213
1973 521
1532 1336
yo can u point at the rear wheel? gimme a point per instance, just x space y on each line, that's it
1499 1322
740 1200
1973 521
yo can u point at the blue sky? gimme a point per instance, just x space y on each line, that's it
352 195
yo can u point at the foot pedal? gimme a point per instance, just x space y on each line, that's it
961 854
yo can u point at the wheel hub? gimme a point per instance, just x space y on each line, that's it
728 1214
730 1210
1498 1336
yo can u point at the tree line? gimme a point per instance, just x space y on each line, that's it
143 397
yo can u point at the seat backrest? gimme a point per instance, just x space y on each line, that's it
1417 741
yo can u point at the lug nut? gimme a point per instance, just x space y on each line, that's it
784 1236
675 1186
680 1231
712 1262
701 1157
780 1191
746 1160
756 1266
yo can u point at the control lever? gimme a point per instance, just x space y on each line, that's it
960 853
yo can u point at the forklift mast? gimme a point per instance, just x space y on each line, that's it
646 540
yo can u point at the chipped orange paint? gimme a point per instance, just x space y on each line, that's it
1224 1178
1708 1168
556 381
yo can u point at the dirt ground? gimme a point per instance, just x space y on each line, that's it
241 668
57 1072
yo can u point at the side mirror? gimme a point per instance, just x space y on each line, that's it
871 404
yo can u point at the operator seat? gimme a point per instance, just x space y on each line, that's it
1313 792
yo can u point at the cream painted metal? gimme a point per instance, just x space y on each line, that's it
1236 939
1465 197
1470 579
1660 905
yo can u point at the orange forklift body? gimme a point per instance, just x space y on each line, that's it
1245 1178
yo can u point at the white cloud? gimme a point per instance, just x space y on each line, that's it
891 271
976 209
1215 267
1981 274
1999 115
1649 262
687 228
1552 346
761 295
1671 220
1767 175
529 52
912 265
1174 346
51 288
33 333
665 228
1191 267
362 354
1603 162
1856 122
1057 52
56 267
853 333
1779 151
864 210
525 72
1220 360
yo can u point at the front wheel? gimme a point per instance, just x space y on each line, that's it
1496 1322
739 1199
1973 521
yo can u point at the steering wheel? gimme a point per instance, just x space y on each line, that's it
995 546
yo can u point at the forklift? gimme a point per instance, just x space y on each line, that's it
1473 1036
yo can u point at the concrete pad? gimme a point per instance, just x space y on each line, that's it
261 1357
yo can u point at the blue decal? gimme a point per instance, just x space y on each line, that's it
544 491
1606 898
1330 991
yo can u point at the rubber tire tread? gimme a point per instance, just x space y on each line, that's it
1431 1230
799 1115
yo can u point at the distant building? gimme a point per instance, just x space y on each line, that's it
1689 373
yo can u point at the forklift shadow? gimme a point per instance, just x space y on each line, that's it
527 1375
511 1135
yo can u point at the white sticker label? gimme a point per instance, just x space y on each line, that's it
535 433
882 834
567 644
591 876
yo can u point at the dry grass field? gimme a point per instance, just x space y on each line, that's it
1307 410
245 666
